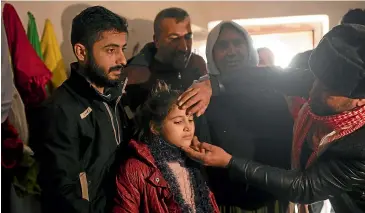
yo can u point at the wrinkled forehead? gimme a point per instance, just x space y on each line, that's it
171 26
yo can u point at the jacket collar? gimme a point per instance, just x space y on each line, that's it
142 151
82 86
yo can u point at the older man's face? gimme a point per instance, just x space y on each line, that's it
230 52
174 44
324 102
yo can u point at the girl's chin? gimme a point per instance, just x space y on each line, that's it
185 143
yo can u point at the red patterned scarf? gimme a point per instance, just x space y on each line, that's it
325 130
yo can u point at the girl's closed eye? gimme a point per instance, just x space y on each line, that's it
178 122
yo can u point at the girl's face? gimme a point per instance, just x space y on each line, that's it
178 128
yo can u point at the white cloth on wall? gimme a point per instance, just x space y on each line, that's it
7 88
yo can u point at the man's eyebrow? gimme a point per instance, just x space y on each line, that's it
111 45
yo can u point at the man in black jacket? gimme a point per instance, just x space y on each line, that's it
328 145
82 123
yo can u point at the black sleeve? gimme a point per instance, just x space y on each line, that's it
290 81
60 163
320 181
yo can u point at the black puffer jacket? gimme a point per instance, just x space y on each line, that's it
338 174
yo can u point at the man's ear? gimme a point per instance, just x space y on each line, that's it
80 52
154 129
155 41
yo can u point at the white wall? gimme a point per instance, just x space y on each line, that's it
141 14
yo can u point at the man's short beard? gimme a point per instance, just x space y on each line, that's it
168 56
96 75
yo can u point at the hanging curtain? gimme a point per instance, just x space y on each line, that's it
52 55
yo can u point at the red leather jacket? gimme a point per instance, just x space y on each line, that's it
141 186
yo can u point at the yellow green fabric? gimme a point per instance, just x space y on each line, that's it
52 55
33 36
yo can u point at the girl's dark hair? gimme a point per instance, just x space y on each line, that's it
155 109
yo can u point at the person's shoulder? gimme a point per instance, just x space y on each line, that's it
133 164
134 170
351 146
197 58
58 96
355 140
199 62
137 74
61 102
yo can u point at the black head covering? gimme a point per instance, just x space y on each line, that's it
339 60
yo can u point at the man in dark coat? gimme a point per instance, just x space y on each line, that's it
82 125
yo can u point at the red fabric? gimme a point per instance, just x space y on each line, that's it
343 124
11 146
30 73
141 186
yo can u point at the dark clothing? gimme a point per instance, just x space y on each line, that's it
81 132
339 60
254 123
290 81
250 118
300 60
337 174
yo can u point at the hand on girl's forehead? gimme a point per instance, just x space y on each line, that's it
176 111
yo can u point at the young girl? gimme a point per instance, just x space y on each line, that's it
158 177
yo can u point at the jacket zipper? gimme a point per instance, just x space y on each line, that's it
116 131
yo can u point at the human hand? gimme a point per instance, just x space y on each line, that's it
207 154
196 99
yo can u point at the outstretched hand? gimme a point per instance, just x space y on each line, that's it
207 154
